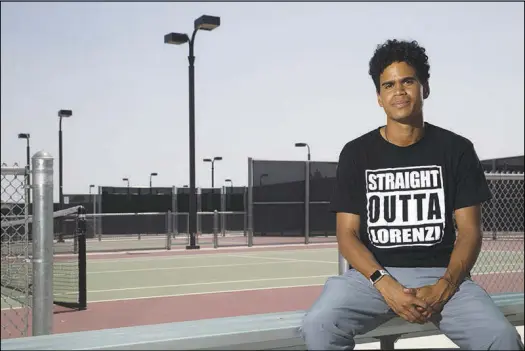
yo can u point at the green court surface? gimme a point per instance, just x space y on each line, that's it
115 278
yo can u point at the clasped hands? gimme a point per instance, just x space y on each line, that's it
417 305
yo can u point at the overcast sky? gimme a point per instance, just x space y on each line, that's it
271 75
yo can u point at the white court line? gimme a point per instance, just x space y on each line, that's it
283 259
194 267
143 238
238 281
210 283
499 272
210 292
240 248
499 265
195 293
198 256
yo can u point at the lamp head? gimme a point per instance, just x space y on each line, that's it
206 22
65 113
176 38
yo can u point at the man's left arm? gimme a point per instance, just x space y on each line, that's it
467 247
471 191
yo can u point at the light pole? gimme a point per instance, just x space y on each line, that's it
212 160
154 174
306 195
28 162
207 23
91 186
304 145
61 114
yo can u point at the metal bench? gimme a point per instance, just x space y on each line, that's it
274 331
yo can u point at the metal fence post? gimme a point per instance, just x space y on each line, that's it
169 226
42 243
223 210
215 229
94 199
98 219
199 209
307 204
245 209
174 211
343 264
250 202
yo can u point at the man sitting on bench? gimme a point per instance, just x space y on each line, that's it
397 189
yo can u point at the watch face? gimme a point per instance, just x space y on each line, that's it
375 276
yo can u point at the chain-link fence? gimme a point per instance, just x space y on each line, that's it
15 252
500 265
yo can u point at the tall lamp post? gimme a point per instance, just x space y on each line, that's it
28 162
212 161
306 195
61 114
207 23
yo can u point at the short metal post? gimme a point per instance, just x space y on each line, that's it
343 264
199 209
492 214
169 226
215 229
43 231
94 199
245 209
174 209
98 219
135 220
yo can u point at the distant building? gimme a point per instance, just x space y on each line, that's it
504 164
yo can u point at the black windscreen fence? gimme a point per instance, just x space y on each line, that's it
209 200
279 195
120 200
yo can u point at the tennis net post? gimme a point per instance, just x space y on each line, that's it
42 240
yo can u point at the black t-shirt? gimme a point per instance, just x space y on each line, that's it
406 196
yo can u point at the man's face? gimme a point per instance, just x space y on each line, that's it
401 94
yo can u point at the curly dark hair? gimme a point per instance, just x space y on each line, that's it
399 51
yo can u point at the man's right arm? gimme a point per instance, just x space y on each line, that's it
351 247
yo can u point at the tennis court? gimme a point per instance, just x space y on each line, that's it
139 277
163 274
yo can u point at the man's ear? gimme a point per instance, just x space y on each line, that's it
379 100
426 90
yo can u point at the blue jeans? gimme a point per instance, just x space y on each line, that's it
350 305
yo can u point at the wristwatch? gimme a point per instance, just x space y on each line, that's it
380 273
